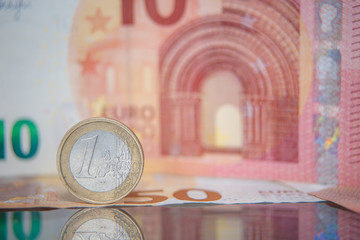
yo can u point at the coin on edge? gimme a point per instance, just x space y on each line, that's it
100 160
101 223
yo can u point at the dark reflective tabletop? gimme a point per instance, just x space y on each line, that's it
254 221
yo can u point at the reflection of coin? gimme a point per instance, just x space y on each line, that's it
100 160
100 223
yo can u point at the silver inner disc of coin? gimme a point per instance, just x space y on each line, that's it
100 161
100 229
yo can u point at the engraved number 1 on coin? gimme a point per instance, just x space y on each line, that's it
88 156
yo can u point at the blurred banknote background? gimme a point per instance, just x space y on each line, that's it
256 89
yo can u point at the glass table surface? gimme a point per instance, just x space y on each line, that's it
250 221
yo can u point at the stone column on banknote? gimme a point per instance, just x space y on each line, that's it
182 123
285 148
255 141
272 130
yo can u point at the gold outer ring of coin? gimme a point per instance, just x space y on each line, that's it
120 130
118 216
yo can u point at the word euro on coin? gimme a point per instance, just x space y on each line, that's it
100 160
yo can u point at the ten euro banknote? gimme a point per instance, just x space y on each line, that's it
256 89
